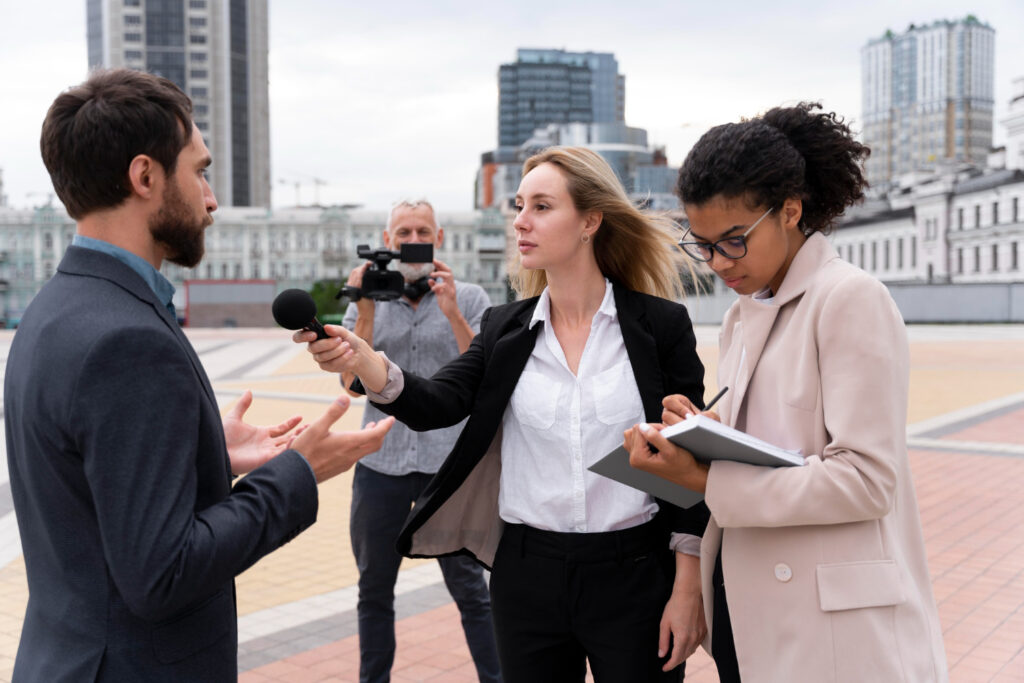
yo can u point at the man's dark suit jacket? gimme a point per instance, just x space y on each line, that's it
131 531
458 511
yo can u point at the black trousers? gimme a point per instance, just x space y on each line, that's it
723 647
560 599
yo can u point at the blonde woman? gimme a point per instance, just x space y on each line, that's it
584 568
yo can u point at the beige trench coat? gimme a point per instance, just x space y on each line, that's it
825 567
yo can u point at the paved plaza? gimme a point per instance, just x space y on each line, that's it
297 607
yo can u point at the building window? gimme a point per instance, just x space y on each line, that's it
1015 207
977 215
255 271
197 56
133 37
132 3
132 20
861 259
995 258
874 257
1014 263
886 254
913 251
197 22
899 254
197 4
197 92
48 241
196 39
960 218
995 213
131 55
198 73
977 259
202 125
202 109
960 260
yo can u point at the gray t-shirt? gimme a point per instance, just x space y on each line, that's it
420 341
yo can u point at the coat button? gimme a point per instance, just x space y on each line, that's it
783 572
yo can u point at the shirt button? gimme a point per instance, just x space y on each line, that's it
783 572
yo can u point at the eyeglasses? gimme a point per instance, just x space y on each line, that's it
729 247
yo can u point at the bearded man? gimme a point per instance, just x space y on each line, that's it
431 324
120 462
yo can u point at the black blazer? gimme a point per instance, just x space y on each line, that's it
131 531
458 512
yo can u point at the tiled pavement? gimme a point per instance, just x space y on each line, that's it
297 606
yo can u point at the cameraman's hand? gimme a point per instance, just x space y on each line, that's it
331 453
365 305
442 284
344 351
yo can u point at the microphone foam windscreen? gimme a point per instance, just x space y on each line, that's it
294 309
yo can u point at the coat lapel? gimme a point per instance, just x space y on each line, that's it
757 319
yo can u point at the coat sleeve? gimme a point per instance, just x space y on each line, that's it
139 421
447 397
863 361
683 373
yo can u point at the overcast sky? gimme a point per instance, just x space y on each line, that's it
395 99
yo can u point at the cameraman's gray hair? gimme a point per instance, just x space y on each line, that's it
411 204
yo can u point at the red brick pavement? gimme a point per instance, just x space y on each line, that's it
972 509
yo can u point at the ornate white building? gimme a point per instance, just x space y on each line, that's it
294 247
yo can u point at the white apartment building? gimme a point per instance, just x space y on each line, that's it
294 247
216 52
927 98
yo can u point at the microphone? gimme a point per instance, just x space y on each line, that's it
294 309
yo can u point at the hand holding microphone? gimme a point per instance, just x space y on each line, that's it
334 348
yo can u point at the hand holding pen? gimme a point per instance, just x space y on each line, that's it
677 407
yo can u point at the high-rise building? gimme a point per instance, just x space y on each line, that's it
216 51
928 98
555 86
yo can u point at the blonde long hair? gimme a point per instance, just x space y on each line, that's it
635 249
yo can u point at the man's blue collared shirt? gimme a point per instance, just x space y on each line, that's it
160 285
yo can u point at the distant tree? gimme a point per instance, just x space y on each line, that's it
328 308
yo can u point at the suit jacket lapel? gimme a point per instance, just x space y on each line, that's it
509 356
642 349
92 263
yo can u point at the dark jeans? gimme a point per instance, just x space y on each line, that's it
561 599
380 504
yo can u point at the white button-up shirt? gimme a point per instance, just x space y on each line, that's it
558 424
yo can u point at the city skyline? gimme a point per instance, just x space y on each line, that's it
378 108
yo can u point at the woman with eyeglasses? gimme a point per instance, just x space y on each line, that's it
813 573
584 569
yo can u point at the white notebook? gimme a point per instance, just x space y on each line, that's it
708 440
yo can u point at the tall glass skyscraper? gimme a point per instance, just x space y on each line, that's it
927 97
555 86
216 51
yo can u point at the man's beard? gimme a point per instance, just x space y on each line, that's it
176 228
414 271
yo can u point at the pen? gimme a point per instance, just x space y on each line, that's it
713 401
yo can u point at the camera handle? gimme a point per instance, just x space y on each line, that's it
353 293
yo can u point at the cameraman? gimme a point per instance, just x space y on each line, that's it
433 323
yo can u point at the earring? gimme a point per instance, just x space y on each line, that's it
585 238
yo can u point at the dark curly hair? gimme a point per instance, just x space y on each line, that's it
787 152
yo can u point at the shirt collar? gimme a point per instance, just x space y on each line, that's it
160 285
542 311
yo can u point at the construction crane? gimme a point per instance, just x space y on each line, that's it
297 184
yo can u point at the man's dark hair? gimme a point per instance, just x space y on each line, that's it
788 152
94 130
